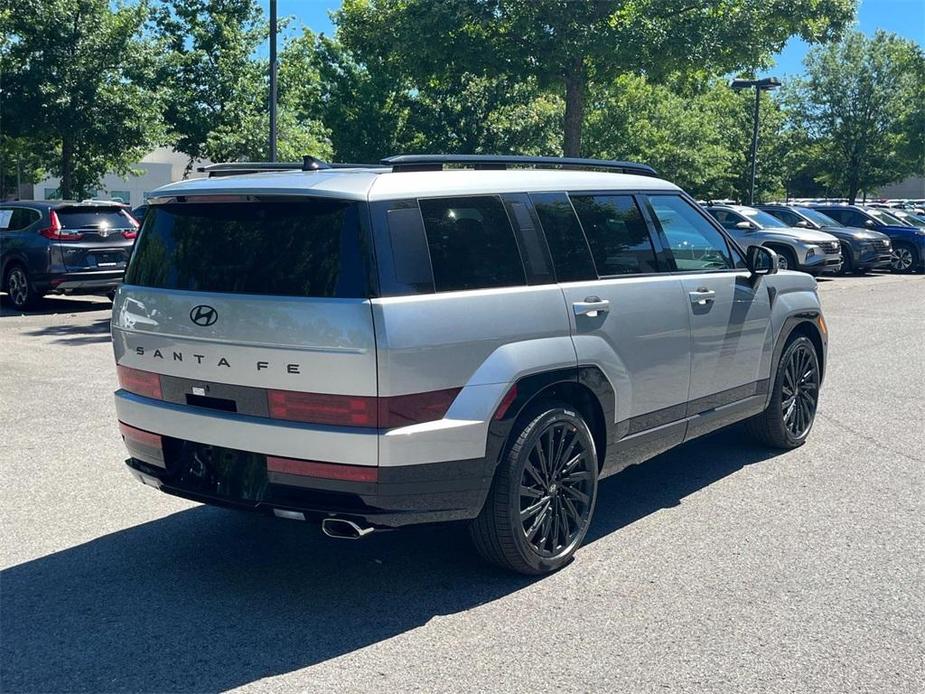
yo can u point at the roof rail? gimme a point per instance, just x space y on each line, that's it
308 163
436 162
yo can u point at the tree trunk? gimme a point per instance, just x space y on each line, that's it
65 191
574 109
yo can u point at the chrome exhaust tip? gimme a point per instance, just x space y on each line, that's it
344 529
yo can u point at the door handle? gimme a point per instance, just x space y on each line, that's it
702 296
591 306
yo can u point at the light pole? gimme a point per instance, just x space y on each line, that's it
273 80
763 85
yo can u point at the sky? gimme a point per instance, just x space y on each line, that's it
904 17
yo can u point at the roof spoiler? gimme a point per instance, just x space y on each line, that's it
436 162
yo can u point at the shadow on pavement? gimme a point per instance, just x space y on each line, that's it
79 334
51 305
207 599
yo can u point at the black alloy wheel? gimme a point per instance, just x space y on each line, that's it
791 411
800 390
542 498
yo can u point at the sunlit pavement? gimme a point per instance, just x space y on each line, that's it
720 566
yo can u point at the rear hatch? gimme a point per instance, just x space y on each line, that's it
259 307
95 237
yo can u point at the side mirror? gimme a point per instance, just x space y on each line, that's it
802 223
761 260
744 225
869 223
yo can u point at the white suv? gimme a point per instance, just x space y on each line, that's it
447 338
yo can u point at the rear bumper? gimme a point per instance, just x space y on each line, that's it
81 281
405 495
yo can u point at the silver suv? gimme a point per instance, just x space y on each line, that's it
808 250
447 338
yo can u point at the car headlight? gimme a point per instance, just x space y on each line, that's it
811 251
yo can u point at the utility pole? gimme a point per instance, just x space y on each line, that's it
762 85
273 67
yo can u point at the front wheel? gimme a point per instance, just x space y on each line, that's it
903 259
789 417
847 264
786 260
541 501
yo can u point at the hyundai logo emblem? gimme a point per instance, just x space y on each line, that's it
203 315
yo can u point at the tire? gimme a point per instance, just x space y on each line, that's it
787 420
532 521
904 259
847 264
19 288
786 260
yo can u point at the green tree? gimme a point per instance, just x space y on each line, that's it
863 106
74 94
569 45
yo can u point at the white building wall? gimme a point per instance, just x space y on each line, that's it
160 167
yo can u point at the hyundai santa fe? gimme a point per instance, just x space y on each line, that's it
442 338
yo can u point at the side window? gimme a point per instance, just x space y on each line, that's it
786 216
571 256
727 218
693 242
617 234
471 244
17 218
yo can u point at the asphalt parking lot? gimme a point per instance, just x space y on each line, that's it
720 566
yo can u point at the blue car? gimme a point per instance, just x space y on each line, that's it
908 240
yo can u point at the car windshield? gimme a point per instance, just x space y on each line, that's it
817 217
761 218
886 218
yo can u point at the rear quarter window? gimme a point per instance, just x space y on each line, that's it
309 248
471 244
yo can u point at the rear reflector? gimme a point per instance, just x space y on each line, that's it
146 438
506 402
143 445
329 471
139 382
319 408
360 411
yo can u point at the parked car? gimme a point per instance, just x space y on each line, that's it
908 241
861 249
908 217
63 247
808 250
376 347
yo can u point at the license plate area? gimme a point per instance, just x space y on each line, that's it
218 472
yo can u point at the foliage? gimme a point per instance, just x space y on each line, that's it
74 95
568 45
862 105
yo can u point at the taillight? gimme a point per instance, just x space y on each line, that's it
404 410
56 233
319 408
139 382
360 411
330 471
130 234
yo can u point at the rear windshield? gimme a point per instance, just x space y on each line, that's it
95 217
304 248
